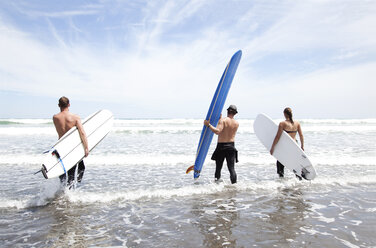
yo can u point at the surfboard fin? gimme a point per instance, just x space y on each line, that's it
43 170
190 168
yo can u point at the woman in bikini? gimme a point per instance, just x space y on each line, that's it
291 127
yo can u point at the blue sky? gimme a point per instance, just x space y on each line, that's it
163 59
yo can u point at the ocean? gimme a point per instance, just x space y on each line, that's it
135 192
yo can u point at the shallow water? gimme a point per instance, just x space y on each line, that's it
135 192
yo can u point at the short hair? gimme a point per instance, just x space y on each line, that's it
232 111
63 102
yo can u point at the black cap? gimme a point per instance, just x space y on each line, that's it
234 108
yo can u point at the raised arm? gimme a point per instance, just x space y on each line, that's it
82 133
301 136
277 137
217 130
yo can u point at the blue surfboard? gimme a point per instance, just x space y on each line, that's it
214 113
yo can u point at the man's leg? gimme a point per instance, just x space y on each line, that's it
230 159
218 167
70 173
62 178
80 172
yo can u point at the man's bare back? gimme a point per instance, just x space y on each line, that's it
228 128
65 120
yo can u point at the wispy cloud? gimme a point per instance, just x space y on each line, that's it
173 53
320 26
62 14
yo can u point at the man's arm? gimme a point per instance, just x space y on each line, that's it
82 133
217 130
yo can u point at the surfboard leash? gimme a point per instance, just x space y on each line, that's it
43 168
56 153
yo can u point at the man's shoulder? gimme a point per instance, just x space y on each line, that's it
75 116
56 116
71 116
67 116
231 121
225 120
74 119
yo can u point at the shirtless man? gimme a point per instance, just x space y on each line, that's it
64 121
291 127
226 131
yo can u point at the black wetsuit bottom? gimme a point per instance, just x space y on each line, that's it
72 171
225 150
280 169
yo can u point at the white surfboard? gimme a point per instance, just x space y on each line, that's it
69 150
287 151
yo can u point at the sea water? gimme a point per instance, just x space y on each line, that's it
135 192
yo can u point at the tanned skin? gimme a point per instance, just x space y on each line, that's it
65 120
226 128
288 126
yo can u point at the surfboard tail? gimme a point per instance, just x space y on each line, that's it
44 171
190 168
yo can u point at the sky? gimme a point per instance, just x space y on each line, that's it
164 59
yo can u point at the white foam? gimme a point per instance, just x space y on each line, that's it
339 128
137 122
23 131
28 121
343 180
325 219
104 197
270 186
343 160
21 159
243 129
347 243
47 192
157 129
10 203
354 235
321 163
356 222
339 121
316 206
371 210
173 126
314 232
140 159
